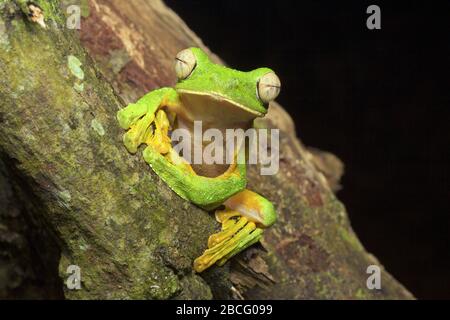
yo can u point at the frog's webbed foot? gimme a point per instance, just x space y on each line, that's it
151 130
146 122
138 121
243 220
160 139
237 234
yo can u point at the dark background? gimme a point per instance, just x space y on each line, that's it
378 99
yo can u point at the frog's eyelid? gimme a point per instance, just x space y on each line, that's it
185 63
181 60
271 81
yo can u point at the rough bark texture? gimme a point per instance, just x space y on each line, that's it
72 195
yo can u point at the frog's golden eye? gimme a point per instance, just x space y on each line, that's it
184 63
268 87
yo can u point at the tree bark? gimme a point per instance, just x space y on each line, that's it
100 208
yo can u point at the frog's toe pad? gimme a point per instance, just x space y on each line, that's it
237 234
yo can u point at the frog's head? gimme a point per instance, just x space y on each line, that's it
250 91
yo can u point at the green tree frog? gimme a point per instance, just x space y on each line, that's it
222 98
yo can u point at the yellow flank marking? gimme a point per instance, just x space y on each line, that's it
223 215
248 198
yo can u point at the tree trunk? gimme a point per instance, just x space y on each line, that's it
73 195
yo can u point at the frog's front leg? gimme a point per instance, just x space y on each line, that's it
205 192
138 117
245 216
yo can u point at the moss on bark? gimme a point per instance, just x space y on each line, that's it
106 208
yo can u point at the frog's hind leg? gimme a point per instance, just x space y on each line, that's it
243 220
237 234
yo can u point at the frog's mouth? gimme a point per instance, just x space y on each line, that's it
212 104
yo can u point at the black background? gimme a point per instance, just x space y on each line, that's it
378 99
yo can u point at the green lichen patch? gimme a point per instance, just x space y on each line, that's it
74 65
65 196
79 87
97 126
4 41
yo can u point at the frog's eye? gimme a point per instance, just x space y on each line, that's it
184 63
268 87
